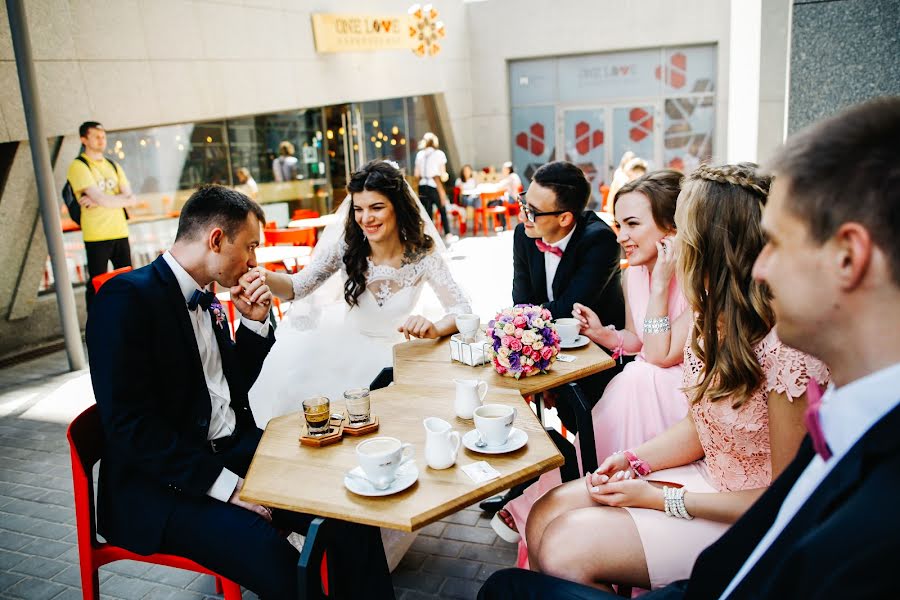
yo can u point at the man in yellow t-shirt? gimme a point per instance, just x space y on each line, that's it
103 192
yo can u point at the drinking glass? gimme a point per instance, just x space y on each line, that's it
358 407
317 412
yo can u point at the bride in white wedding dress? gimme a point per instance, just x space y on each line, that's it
385 249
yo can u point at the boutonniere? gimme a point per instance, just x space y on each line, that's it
218 311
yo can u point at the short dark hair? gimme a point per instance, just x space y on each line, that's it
85 127
568 183
847 168
216 205
661 188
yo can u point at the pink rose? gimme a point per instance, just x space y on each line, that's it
555 338
527 369
515 345
500 369
520 321
506 340
528 351
546 352
545 314
490 332
518 333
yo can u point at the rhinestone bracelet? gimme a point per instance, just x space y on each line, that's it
657 325
674 503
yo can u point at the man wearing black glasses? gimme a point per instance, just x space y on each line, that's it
563 254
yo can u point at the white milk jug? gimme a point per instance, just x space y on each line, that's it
470 395
441 443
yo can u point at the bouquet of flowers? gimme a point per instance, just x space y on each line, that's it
524 341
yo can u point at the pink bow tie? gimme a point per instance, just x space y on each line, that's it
543 247
811 419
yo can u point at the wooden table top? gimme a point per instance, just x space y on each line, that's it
427 363
286 475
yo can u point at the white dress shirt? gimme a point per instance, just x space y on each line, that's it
551 262
430 163
222 419
846 414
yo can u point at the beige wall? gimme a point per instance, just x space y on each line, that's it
532 29
137 63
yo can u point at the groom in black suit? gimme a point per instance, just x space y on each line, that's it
563 254
828 526
171 387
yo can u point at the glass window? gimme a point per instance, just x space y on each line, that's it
534 139
585 135
532 82
607 76
385 131
688 131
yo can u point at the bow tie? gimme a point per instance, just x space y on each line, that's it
544 247
811 419
201 299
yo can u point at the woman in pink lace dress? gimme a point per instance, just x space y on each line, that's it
645 515
646 398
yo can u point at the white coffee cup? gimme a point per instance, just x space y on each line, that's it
381 457
494 423
568 330
468 325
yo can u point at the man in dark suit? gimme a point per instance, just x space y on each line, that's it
563 254
171 387
827 527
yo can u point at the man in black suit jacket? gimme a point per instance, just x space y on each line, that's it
827 527
563 254
171 387
577 247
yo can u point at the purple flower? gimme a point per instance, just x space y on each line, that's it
496 343
514 363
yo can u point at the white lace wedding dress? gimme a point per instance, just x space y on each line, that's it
326 349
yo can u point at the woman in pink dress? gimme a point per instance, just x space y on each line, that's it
645 399
643 517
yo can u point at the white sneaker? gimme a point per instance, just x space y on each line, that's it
450 238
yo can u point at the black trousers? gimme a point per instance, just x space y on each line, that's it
519 584
430 198
243 547
99 254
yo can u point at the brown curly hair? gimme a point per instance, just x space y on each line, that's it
379 176
721 237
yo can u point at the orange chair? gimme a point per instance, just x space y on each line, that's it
481 214
86 445
99 280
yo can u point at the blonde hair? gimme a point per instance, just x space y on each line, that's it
286 149
720 239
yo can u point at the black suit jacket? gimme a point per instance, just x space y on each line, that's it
843 543
153 400
588 272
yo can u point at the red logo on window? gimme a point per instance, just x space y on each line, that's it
643 124
533 141
585 139
675 74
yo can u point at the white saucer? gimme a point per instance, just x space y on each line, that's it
406 476
578 342
517 438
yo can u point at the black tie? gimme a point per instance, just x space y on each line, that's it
201 299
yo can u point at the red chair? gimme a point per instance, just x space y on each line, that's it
456 193
481 214
99 280
86 444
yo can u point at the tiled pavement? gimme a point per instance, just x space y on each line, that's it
38 553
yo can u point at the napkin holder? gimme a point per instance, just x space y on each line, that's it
474 354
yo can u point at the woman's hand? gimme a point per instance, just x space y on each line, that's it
612 464
590 324
666 262
420 327
622 492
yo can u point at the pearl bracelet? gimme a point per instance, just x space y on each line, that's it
657 325
674 503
